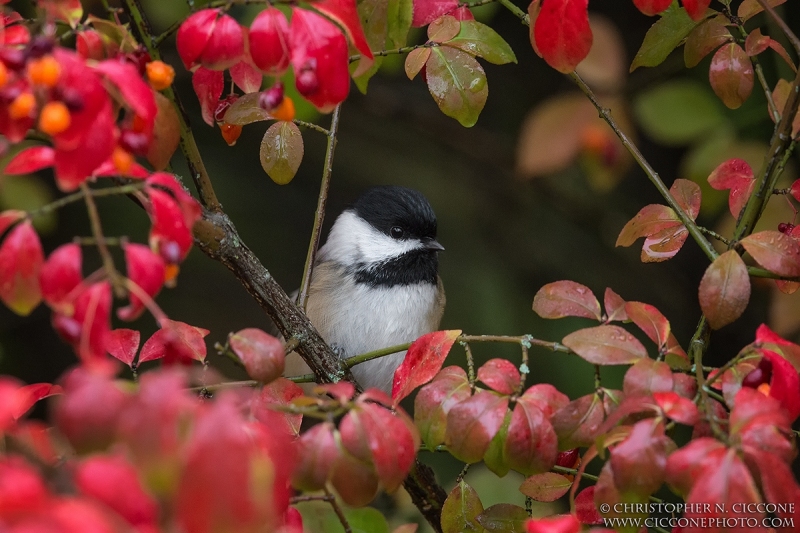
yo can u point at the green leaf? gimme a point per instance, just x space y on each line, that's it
367 520
495 457
461 509
373 15
457 83
399 17
504 518
678 112
480 40
281 151
664 36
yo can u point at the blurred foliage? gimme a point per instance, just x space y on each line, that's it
506 234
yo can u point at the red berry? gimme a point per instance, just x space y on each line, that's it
223 106
785 227
568 458
760 375
271 98
307 82
13 58
133 142
40 46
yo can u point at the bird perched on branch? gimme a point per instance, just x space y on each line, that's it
375 282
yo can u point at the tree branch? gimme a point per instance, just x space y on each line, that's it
319 215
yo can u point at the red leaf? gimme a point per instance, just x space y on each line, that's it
566 298
176 342
147 271
276 394
647 377
434 401
736 175
677 408
650 220
372 433
269 42
28 395
473 423
775 251
605 345
21 259
208 85
320 60
225 47
545 487
652 7
785 384
553 524
426 11
725 290
89 45
59 276
31 160
8 218
92 313
585 508
194 34
704 39
614 306
756 42
123 344
771 340
640 461
23 492
344 13
696 8
731 75
173 217
499 375
562 33
115 482
246 77
136 93
422 362
262 354
531 444
577 423
749 8
688 464
650 320
544 397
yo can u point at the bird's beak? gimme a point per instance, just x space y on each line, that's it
433 245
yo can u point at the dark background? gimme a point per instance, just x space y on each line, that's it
505 235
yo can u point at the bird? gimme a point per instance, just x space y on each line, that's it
375 282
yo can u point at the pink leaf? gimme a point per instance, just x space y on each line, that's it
60 274
562 33
500 375
31 160
422 362
725 289
605 345
426 11
566 298
176 342
650 320
676 407
147 271
193 36
652 7
28 395
246 77
344 13
262 354
731 75
21 259
775 251
123 344
208 85
472 424
269 42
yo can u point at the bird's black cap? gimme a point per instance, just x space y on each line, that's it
392 206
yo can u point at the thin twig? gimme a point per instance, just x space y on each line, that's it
312 126
97 232
393 51
782 24
375 354
715 235
319 215
338 510
225 385
470 365
78 196
524 369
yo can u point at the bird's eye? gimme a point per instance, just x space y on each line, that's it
397 232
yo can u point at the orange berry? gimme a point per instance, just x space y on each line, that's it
171 274
764 389
285 110
230 132
54 118
160 75
22 106
44 71
122 160
3 74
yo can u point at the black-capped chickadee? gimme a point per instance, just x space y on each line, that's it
375 282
